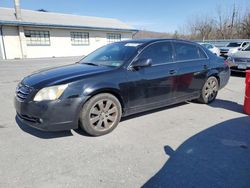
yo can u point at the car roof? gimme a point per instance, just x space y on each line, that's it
239 41
152 40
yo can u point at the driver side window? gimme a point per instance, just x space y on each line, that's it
159 53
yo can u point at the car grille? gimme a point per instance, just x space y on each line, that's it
22 92
224 50
29 118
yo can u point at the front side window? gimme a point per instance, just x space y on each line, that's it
245 44
113 37
37 37
159 53
186 51
79 38
247 47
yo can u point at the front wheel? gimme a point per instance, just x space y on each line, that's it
209 90
101 114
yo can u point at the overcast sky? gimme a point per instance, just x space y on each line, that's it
155 15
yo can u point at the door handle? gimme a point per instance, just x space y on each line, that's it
205 67
172 72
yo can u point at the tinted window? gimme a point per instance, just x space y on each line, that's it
186 51
244 44
202 54
247 48
159 53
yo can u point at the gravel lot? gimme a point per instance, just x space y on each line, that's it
188 145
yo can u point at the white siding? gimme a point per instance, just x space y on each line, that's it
60 43
12 42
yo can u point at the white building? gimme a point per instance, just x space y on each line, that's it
34 34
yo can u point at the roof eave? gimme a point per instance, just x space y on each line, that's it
33 24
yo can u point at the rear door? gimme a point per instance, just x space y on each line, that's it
193 65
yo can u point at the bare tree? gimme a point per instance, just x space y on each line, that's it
221 24
246 26
201 28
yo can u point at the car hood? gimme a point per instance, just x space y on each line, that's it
241 54
63 74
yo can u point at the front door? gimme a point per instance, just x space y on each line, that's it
152 86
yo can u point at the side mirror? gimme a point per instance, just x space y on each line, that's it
141 63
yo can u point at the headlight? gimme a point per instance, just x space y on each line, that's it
50 93
230 61
232 51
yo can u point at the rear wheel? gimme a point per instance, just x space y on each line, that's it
209 90
101 114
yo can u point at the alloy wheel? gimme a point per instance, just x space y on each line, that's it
103 115
211 89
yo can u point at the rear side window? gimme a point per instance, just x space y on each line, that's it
160 53
186 51
202 53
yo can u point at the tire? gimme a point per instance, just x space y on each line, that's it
209 90
100 114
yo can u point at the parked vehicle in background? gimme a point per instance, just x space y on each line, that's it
232 47
240 61
212 48
118 80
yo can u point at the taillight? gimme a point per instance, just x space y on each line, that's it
226 62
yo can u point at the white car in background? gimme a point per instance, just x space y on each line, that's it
233 47
242 46
240 60
212 48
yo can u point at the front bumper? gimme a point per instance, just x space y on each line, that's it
55 115
239 66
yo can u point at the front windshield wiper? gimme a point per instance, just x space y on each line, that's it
91 64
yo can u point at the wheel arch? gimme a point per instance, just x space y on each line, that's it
113 91
214 73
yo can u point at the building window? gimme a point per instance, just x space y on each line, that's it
113 37
37 37
79 38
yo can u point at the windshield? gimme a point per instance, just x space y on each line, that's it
112 55
234 44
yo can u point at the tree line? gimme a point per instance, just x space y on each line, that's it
234 24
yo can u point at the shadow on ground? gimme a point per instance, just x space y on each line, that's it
216 157
227 105
42 134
